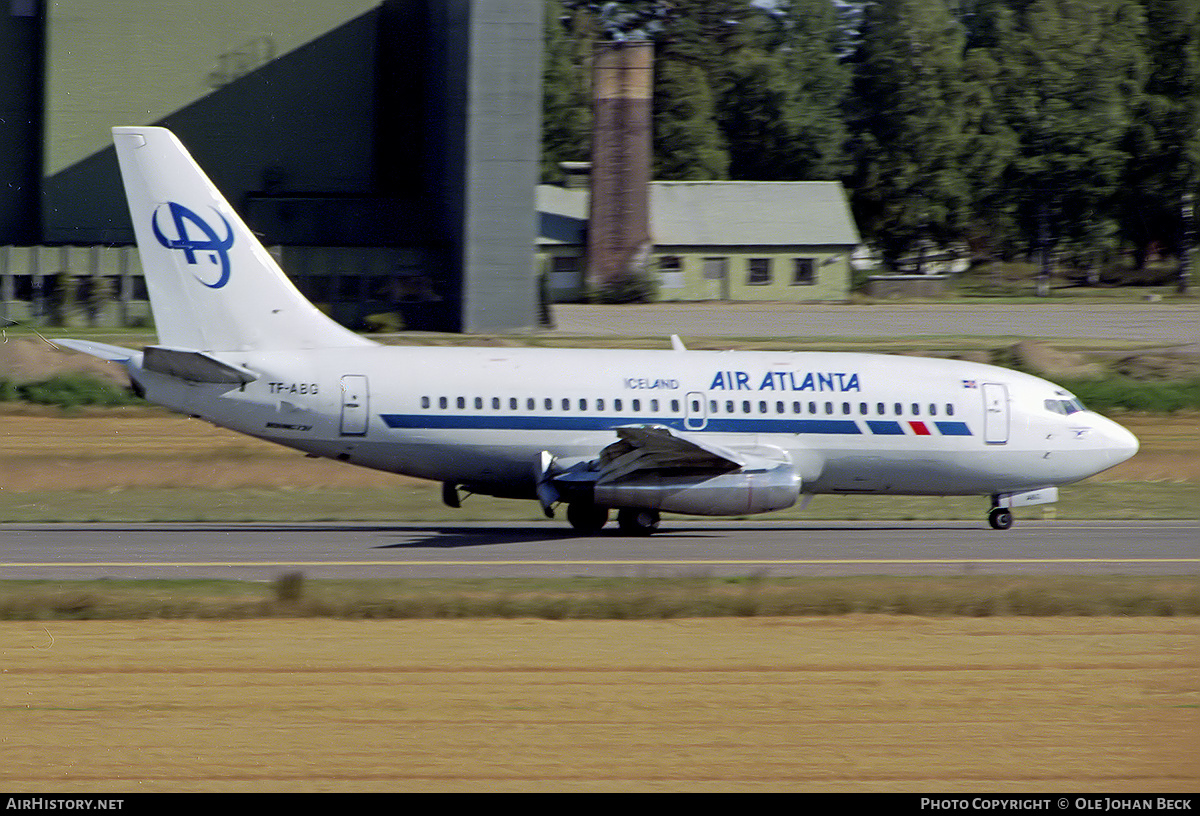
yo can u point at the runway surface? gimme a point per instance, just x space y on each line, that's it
1168 324
260 551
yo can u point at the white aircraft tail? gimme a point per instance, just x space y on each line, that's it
212 285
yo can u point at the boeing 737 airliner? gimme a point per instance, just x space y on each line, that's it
638 432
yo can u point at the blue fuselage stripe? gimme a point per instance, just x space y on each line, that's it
596 423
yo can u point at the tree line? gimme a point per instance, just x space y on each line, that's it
1010 126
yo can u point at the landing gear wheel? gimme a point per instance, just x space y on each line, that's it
635 521
1000 518
586 517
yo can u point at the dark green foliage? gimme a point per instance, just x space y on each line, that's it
687 143
74 390
1123 394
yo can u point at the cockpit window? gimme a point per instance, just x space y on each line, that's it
1065 407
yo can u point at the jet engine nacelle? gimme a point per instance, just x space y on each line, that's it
727 494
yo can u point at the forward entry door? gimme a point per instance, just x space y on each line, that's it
995 413
355 402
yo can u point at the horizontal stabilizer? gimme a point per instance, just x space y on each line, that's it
193 366
116 354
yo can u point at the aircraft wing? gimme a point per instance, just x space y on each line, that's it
654 466
657 447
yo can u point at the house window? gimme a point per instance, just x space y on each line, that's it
564 272
670 271
760 272
804 272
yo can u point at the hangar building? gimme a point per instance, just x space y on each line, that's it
385 150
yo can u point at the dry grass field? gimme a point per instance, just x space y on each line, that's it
138 464
802 704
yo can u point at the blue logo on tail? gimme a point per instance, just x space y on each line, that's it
216 247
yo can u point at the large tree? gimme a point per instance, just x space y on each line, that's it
1164 140
688 146
1071 76
906 112
566 103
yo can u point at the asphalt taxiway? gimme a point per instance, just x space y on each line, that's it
260 551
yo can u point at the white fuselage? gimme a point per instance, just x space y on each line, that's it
847 422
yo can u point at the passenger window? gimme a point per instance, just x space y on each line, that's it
424 402
441 402
899 409
762 406
462 402
812 407
949 409
637 405
862 408
797 407
932 409
712 406
745 406
566 404
512 403
675 406
654 405
916 409
549 404
779 409
530 404
729 406
829 408
478 403
881 409
583 405
599 405
845 407
617 405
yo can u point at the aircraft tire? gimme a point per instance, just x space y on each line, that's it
637 521
587 517
1000 518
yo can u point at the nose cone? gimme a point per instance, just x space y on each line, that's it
1118 444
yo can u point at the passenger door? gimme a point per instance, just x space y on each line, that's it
355 403
995 413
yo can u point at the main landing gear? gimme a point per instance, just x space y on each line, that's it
1000 518
588 518
634 521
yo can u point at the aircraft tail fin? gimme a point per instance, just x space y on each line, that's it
212 284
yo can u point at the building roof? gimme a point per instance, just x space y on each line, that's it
718 213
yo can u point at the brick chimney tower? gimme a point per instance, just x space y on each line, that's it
618 225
